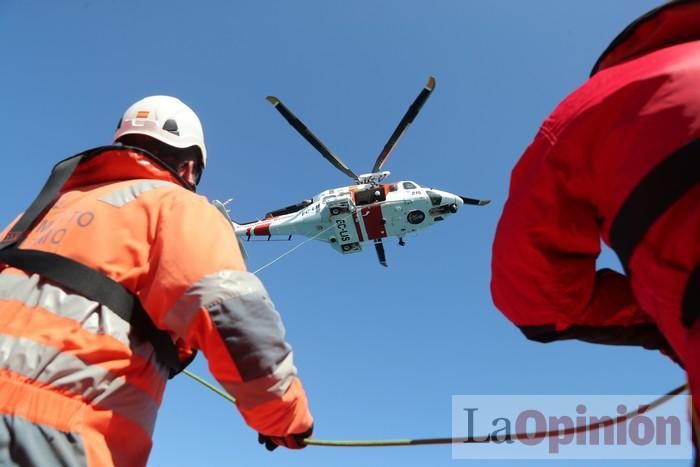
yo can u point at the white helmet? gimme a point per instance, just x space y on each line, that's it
166 119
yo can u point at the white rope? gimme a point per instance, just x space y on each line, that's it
297 247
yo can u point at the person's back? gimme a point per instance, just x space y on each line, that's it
587 158
617 160
72 366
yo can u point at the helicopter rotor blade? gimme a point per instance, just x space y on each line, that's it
404 124
474 201
379 246
311 138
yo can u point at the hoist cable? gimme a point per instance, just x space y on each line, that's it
298 246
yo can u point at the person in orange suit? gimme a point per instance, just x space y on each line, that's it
111 282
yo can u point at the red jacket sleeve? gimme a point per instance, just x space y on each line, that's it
547 241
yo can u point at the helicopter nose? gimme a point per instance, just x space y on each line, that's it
450 201
456 204
444 202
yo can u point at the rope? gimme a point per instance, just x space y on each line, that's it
469 440
210 386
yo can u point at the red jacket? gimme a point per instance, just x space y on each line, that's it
73 365
618 159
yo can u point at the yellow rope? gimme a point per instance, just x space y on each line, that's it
471 440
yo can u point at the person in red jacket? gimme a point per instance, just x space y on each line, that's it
111 281
617 160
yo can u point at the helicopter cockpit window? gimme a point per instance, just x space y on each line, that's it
435 199
393 187
409 186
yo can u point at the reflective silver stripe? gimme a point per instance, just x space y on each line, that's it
246 319
127 194
201 295
265 389
40 444
93 317
62 371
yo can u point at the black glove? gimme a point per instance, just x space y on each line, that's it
292 441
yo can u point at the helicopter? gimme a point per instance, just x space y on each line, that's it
368 211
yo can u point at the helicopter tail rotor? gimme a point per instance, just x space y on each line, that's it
221 207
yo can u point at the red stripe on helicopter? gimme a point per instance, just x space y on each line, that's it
263 229
357 227
374 222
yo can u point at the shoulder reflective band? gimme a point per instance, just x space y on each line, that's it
662 187
80 278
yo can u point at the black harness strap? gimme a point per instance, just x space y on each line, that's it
96 286
657 192
642 335
77 277
43 202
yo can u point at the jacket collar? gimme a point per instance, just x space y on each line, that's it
117 163
670 24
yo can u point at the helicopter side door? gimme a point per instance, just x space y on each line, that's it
344 234
369 217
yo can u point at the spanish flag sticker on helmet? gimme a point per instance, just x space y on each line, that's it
142 114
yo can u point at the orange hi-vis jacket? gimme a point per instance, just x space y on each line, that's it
72 364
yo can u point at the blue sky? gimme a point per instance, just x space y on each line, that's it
380 351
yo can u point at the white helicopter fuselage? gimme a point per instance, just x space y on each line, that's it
349 216
368 211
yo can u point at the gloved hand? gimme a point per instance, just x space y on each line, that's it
291 441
